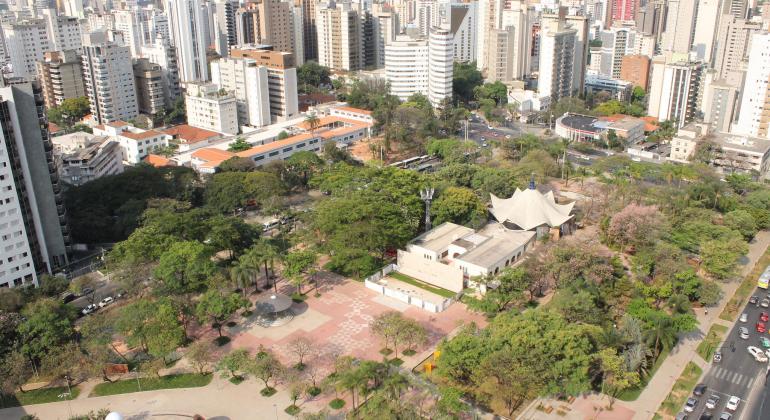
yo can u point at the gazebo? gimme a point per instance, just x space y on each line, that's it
274 309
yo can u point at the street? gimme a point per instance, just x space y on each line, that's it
103 288
738 373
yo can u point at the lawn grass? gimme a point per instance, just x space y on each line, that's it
184 380
37 396
681 390
422 285
749 283
633 393
710 343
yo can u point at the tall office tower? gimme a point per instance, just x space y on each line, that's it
150 92
737 8
617 42
680 26
561 20
248 81
406 66
441 66
732 47
462 23
368 39
74 8
110 82
705 30
623 10
225 35
557 56
754 119
635 69
299 35
63 31
675 90
281 80
26 42
502 44
719 103
309 33
340 40
267 22
61 76
386 26
164 55
128 22
188 36
32 219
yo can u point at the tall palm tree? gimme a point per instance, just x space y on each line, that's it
240 275
662 335
312 121
250 262
269 253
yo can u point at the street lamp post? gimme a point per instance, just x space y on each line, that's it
136 374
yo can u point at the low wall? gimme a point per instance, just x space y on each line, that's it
373 283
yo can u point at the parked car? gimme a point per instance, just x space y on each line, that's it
67 297
682 416
87 291
699 390
765 303
89 309
717 356
712 402
689 406
706 416
757 353
106 301
761 327
725 416
754 300
732 403
764 342
744 317
744 332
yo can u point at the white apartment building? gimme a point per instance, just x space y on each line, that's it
248 81
128 22
462 24
675 90
281 80
110 85
164 55
616 43
189 36
680 26
82 157
754 119
135 143
731 49
557 56
340 38
211 108
705 29
64 32
440 65
74 8
421 66
26 42
386 26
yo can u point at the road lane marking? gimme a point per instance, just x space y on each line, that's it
751 382
739 379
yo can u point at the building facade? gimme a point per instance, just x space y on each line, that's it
281 80
340 37
189 38
109 81
675 90
61 77
754 119
211 108
150 90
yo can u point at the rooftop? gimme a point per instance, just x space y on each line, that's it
356 110
158 161
581 122
191 135
141 135
530 208
497 246
441 236
737 142
275 145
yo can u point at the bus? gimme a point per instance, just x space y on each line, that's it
764 278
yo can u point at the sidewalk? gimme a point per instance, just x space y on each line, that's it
660 385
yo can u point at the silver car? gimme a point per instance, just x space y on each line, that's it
744 317
744 332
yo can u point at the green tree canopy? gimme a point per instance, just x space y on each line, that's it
465 78
48 324
185 267
459 205
228 191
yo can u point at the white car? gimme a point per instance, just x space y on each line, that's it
106 301
712 402
758 354
744 333
744 317
732 403
89 309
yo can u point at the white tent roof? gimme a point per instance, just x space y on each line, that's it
529 209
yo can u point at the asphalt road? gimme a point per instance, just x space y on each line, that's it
103 289
738 373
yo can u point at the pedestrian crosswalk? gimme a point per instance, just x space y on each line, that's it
733 377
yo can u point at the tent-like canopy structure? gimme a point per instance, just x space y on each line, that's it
274 309
530 209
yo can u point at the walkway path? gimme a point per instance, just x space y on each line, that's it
661 384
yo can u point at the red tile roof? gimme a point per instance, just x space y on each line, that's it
275 145
356 110
53 128
190 135
141 135
158 161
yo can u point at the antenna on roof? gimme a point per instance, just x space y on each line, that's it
532 181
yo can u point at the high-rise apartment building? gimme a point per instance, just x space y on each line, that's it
754 119
385 28
61 76
248 82
635 69
617 42
110 82
189 38
719 103
705 29
26 42
675 90
463 25
340 36
441 65
74 8
164 55
561 20
309 33
32 220
64 32
623 10
225 35
557 56
150 92
211 108
129 23
732 47
281 80
737 8
266 22
680 26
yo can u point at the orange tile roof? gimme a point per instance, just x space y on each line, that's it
212 155
157 160
189 134
117 124
141 135
650 123
339 131
356 110
53 128
275 145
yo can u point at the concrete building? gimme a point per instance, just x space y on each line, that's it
704 34
248 82
585 128
617 42
732 47
33 225
421 66
211 108
635 69
463 26
623 10
61 76
164 55
754 119
720 100
150 91
109 81
281 80
340 37
557 57
266 22
26 42
680 26
225 33
64 32
732 153
386 26
440 66
135 143
675 90
130 24
82 157
617 89
189 38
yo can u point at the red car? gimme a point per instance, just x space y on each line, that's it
763 316
761 327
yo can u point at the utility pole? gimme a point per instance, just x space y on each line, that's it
427 196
